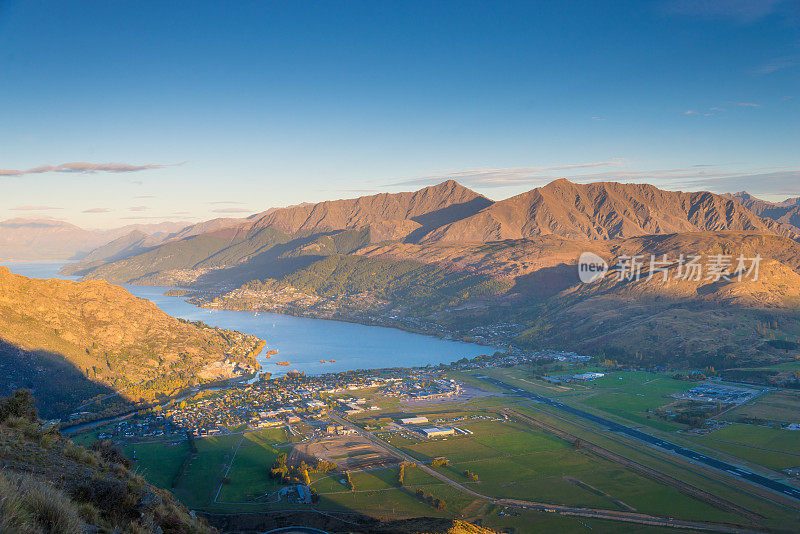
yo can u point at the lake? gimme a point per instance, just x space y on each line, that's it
300 341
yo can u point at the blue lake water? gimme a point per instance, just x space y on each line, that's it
300 341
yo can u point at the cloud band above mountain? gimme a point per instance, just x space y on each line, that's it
80 167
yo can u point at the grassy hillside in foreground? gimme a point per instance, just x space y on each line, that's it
50 485
113 338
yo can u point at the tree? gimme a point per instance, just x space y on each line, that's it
401 475
441 461
18 404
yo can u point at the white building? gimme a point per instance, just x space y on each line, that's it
437 431
414 420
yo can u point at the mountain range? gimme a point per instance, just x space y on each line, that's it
447 260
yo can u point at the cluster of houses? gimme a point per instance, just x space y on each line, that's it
354 406
285 401
422 387
155 426
513 357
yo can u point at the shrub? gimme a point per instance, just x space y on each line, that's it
111 453
19 404
29 505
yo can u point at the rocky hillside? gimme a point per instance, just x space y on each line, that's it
50 485
113 338
602 210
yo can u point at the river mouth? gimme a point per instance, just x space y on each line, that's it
308 345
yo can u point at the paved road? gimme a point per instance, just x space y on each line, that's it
774 485
612 515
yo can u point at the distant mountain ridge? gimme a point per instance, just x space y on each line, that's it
602 210
45 239
388 215
278 235
786 212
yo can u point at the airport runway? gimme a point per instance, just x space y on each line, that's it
774 485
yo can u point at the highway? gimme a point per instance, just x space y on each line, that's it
774 485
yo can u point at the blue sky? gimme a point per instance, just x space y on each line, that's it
210 109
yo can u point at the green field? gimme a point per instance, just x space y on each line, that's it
631 395
198 485
249 473
770 447
515 461
159 463
627 395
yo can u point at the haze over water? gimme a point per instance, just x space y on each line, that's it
301 341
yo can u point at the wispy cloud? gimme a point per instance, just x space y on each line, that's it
232 210
234 202
719 110
503 177
776 64
145 196
35 208
84 168
149 217
138 208
97 210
